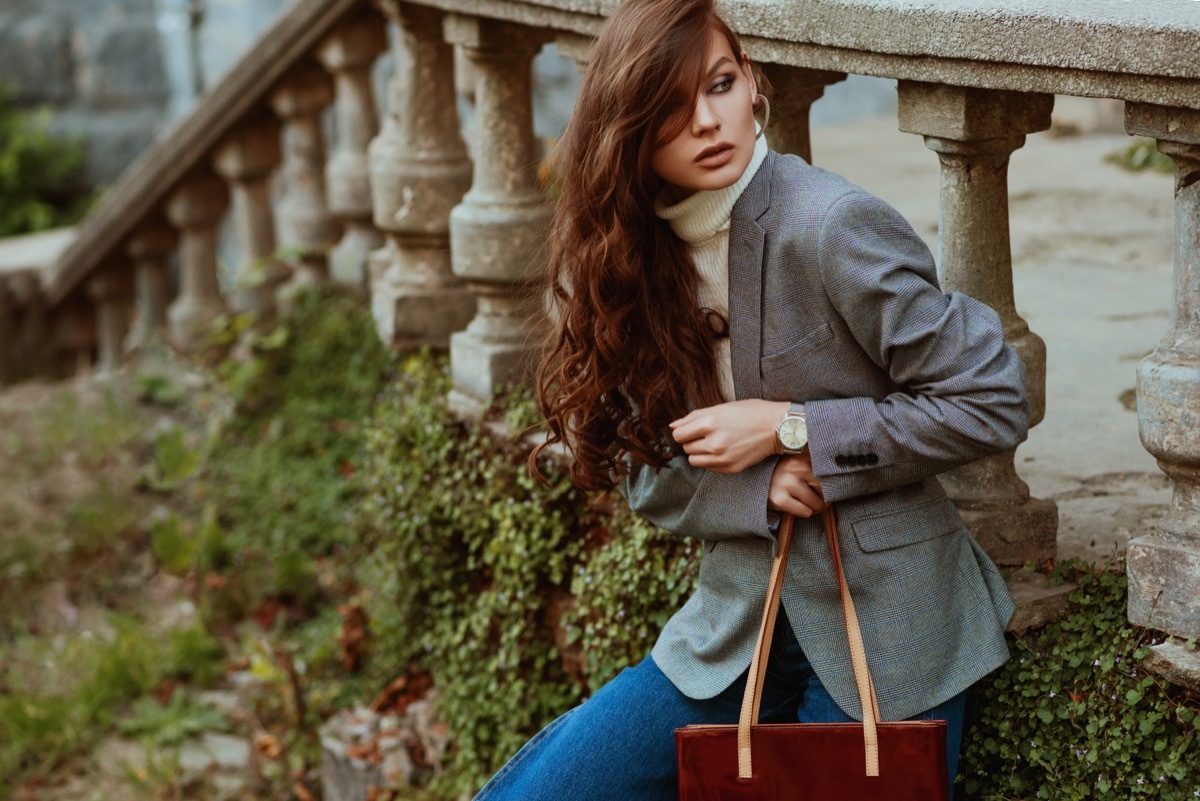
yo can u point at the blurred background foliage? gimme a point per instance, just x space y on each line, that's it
39 173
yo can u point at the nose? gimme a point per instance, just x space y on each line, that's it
705 117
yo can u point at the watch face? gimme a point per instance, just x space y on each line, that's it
793 433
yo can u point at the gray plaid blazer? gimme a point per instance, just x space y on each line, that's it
834 302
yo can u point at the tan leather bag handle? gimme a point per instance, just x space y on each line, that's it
758 665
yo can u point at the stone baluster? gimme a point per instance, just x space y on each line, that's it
974 132
419 172
497 232
74 341
796 89
348 54
1164 565
306 229
32 339
111 292
195 209
8 334
149 249
246 159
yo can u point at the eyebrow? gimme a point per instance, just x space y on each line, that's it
719 64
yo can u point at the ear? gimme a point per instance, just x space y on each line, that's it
748 69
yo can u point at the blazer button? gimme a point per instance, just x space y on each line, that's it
872 458
839 460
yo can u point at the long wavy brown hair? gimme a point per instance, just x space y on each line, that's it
631 349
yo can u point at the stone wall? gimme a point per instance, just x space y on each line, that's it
117 71
96 65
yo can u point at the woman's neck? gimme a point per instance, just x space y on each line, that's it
699 216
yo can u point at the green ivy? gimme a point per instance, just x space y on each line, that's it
1074 716
483 576
626 590
466 548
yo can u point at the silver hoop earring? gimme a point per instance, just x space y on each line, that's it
766 113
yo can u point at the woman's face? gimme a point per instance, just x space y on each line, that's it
714 148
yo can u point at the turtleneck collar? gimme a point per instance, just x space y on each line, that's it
705 213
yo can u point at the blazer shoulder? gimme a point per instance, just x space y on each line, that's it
798 187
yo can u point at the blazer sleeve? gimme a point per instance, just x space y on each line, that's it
962 388
695 502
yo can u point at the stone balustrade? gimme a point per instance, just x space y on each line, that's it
449 249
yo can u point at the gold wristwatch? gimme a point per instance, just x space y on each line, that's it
791 435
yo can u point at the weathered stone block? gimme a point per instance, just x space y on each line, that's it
1164 585
37 65
957 112
362 749
1025 533
417 317
1038 602
1176 663
481 366
1163 122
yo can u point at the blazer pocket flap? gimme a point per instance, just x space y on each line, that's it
905 526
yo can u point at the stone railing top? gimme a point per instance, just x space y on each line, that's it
1142 51
142 188
1159 37
33 251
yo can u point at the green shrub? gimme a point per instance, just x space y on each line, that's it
471 564
625 591
466 550
1074 716
39 173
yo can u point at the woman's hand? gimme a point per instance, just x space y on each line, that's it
795 488
729 437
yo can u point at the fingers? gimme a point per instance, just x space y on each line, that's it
802 501
794 488
690 428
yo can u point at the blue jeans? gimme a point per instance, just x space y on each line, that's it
619 745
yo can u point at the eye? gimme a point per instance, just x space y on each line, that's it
723 85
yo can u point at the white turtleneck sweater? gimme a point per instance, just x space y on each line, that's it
702 220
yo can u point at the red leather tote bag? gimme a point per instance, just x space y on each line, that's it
868 761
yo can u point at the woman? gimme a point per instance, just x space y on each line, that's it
739 334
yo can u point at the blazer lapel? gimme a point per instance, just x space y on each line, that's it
746 240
